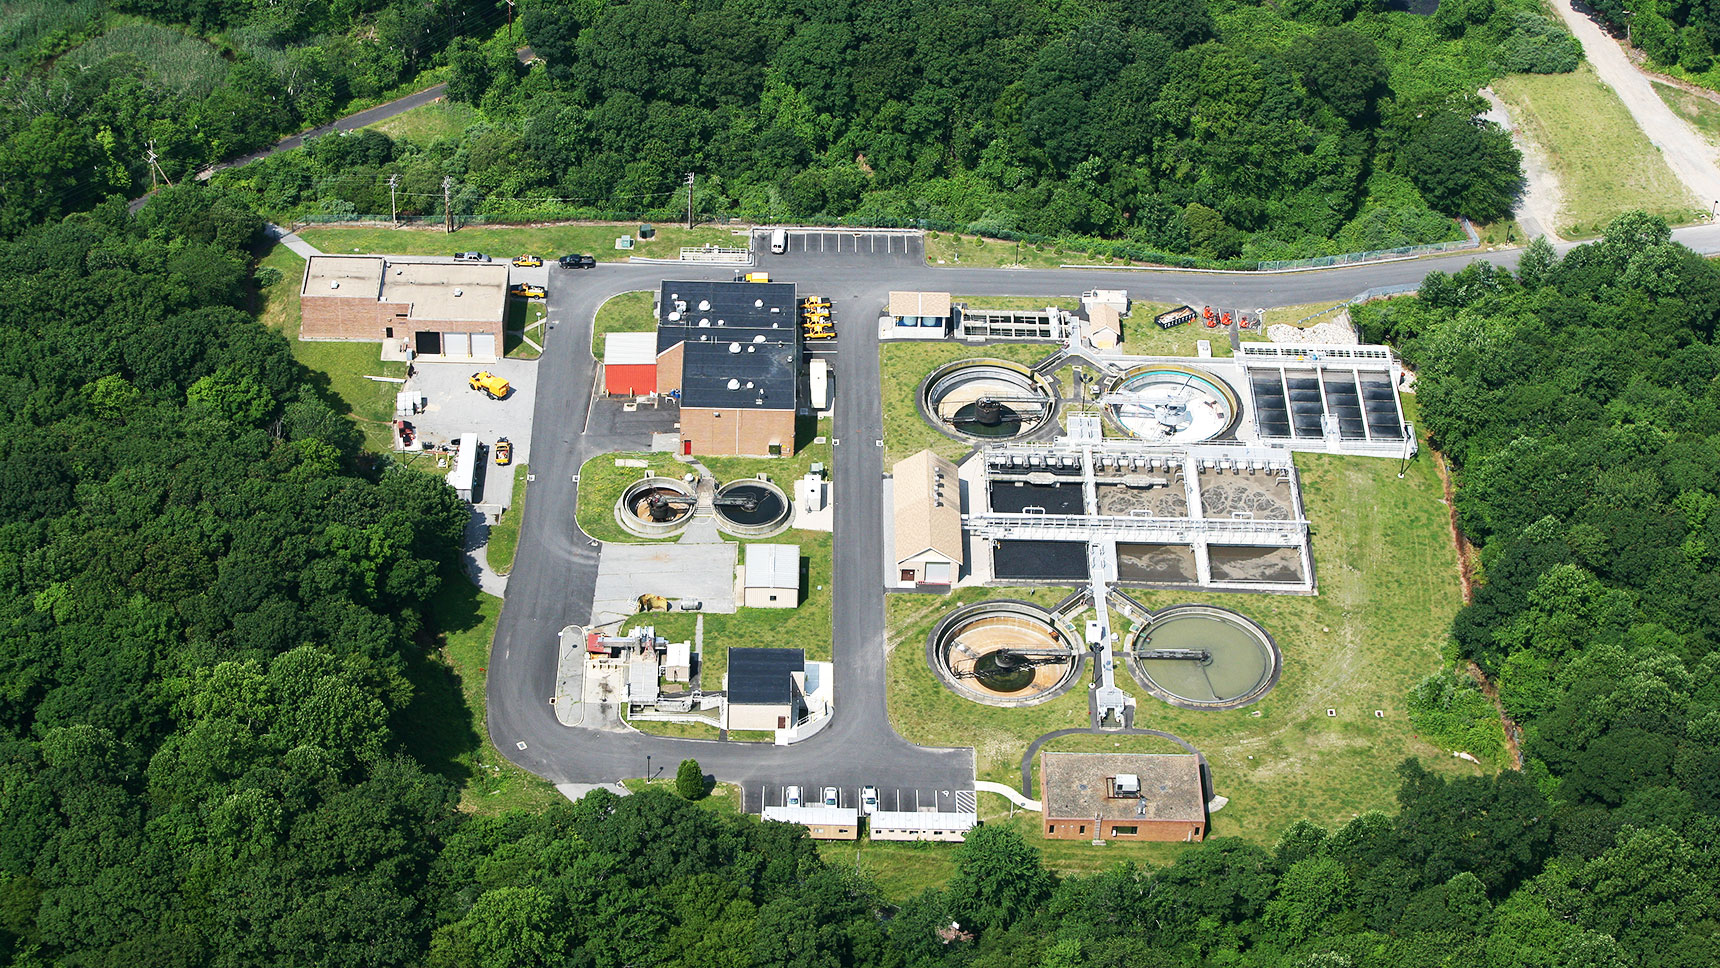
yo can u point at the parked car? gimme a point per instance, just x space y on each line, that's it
504 452
869 800
527 261
831 797
527 290
577 262
494 387
470 257
791 796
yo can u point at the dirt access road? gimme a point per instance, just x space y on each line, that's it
1689 155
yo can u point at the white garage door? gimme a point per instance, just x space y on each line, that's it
484 346
457 344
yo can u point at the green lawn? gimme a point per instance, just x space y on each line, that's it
338 368
601 483
904 363
1388 592
548 241
505 535
1606 165
627 312
424 125
444 724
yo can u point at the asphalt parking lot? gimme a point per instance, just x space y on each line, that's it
453 408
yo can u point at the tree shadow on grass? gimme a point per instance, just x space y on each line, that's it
438 727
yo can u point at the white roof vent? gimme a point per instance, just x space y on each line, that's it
757 303
704 305
759 338
752 349
458 292
749 384
734 384
674 316
334 283
734 347
759 402
705 323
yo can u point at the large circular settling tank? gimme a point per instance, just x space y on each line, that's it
654 507
1203 657
1171 403
752 507
986 399
1004 653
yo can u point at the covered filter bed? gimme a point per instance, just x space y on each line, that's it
1203 657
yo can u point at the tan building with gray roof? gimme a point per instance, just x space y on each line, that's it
443 311
928 520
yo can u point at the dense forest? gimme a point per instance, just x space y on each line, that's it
1222 130
92 87
210 600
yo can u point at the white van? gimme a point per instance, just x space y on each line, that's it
778 241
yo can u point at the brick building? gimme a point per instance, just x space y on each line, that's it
1123 796
730 353
443 311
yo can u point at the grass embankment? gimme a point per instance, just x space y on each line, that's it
627 312
1031 303
601 482
548 241
338 369
1388 592
1606 165
428 123
505 534
904 364
1702 113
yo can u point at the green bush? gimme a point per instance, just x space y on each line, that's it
1448 710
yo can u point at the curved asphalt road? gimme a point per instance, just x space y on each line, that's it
555 572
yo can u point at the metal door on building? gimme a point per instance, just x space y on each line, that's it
484 346
457 344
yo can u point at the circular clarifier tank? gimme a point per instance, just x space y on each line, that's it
1004 653
1203 657
986 399
1171 404
654 507
752 508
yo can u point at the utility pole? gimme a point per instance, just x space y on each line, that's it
690 179
447 204
393 208
155 168
510 22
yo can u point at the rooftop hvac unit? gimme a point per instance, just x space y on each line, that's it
1128 783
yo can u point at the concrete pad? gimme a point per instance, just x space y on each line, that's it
453 408
702 572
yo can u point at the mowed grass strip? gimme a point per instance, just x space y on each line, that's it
627 312
547 241
428 123
1606 165
1388 592
505 534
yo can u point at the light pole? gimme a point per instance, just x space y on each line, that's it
647 767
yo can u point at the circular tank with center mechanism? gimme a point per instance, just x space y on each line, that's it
986 399
1170 403
752 508
655 507
1004 653
1203 657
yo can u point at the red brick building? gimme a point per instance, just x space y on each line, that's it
1123 796
730 353
443 311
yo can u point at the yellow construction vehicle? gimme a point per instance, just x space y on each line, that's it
494 387
818 330
653 603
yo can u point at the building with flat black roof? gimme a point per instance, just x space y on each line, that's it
730 353
765 688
